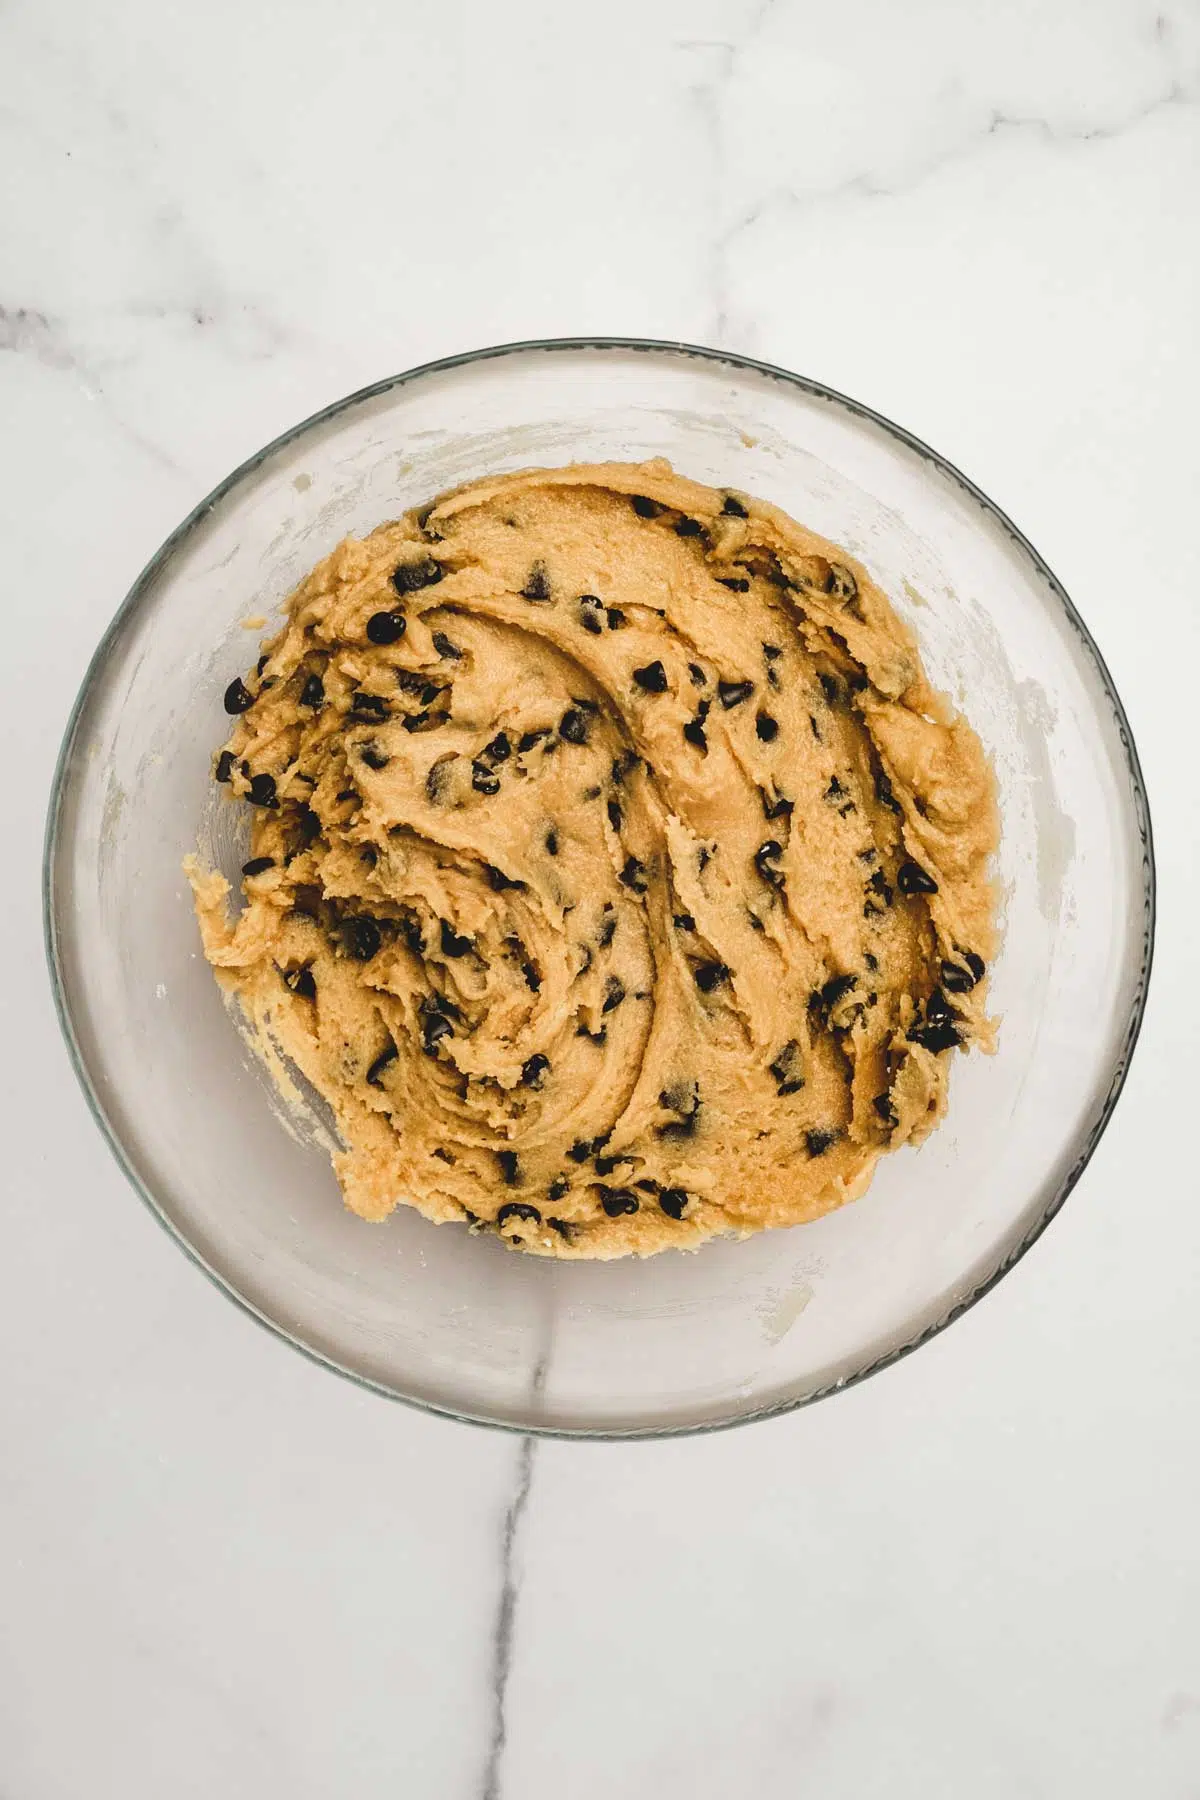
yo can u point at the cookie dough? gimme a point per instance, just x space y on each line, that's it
616 875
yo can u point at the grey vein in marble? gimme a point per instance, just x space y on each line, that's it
506 1612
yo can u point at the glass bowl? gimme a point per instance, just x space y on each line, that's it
457 1323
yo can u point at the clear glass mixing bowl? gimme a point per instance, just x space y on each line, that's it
457 1323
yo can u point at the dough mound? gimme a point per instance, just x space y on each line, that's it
617 877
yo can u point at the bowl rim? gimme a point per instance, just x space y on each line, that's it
740 364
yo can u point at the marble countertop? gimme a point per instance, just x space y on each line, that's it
226 1572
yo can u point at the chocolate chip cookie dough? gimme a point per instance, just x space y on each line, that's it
617 877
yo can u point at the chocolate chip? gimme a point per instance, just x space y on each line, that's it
767 728
533 979
841 583
437 779
410 681
370 709
733 693
589 616
673 1202
684 922
617 620
883 1106
785 1069
422 721
975 963
699 678
373 756
380 1064
878 895
624 765
870 959
831 687
300 981
617 1201
772 652
360 936
935 1037
238 698
884 793
686 527
387 627
818 1142
710 975
608 928
593 1037
693 731
777 806
534 1070
816 729
703 857
764 857
224 768
682 1098
445 1156
483 779
558 1187
510 1168
633 875
499 750
835 989
515 1209
564 1228
580 1150
434 1027
348 794
737 583
734 507
613 809
444 647
652 678
410 931
452 943
614 994
643 507
262 791
313 692
911 878
409 577
498 881
258 865
573 726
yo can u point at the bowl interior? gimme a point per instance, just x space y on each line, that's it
458 1323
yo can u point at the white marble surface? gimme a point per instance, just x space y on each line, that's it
223 1571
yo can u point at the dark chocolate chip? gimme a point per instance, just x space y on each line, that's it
767 728
818 1142
975 963
772 652
564 1228
778 806
616 618
360 936
387 627
580 1150
765 857
834 791
693 731
652 678
733 693
408 577
380 1064
530 739
871 960
616 1201
831 687
737 583
300 981
534 1070
348 794
734 507
834 990
613 809
533 979
558 1187
437 779
957 979
878 896
624 765
710 975
608 928
911 878
633 875
673 1202
434 1027
262 791
785 1069
594 1037
258 865
371 709
840 582
703 857
573 726
684 922
444 647
699 678
313 692
238 698
499 750
224 768
686 527
935 1037
410 931
498 881
683 1098
510 1168
483 779
453 944
515 1209
614 994
374 757
884 793
591 621
643 507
